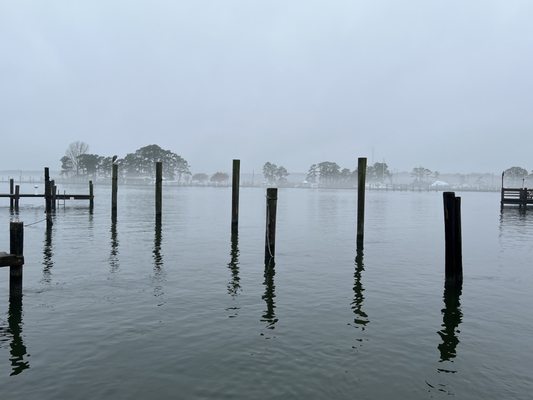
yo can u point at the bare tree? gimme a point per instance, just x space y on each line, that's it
74 151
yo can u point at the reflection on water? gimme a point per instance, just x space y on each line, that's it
361 318
234 285
159 275
13 333
48 254
451 318
113 256
269 315
516 225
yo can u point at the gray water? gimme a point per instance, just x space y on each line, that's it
133 310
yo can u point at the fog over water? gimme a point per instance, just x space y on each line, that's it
446 85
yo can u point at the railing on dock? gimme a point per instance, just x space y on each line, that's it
519 196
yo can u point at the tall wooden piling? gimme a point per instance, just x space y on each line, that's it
17 197
158 189
235 196
11 192
453 239
361 181
47 191
91 196
270 231
114 189
16 247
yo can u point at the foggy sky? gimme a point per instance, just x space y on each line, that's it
447 85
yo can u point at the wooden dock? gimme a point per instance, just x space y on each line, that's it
521 197
50 195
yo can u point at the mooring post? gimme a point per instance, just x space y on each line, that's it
16 247
91 196
453 240
114 189
502 193
270 232
53 189
17 197
361 172
158 189
47 199
235 196
11 192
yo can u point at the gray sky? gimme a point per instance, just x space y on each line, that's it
443 84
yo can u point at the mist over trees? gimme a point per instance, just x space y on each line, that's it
78 162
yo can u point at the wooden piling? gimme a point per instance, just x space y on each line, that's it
11 192
235 196
91 196
114 189
453 239
158 189
17 197
270 232
53 196
361 172
16 236
47 191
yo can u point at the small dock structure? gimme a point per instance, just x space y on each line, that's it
522 197
50 195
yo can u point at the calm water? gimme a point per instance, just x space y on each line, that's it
133 310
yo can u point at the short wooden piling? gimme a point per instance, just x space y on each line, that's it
91 196
361 172
453 240
16 236
158 189
114 189
270 232
11 192
235 196
17 197
53 196
47 191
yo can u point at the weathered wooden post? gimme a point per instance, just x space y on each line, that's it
114 189
53 189
16 236
502 193
270 232
235 196
17 197
11 192
158 189
361 172
91 196
47 190
453 240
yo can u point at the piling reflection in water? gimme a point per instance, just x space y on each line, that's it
451 319
113 255
48 254
159 275
269 315
234 285
361 318
13 334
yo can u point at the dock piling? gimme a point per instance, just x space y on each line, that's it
16 247
158 189
235 196
453 240
47 199
17 197
91 196
114 189
361 172
53 196
270 232
11 192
